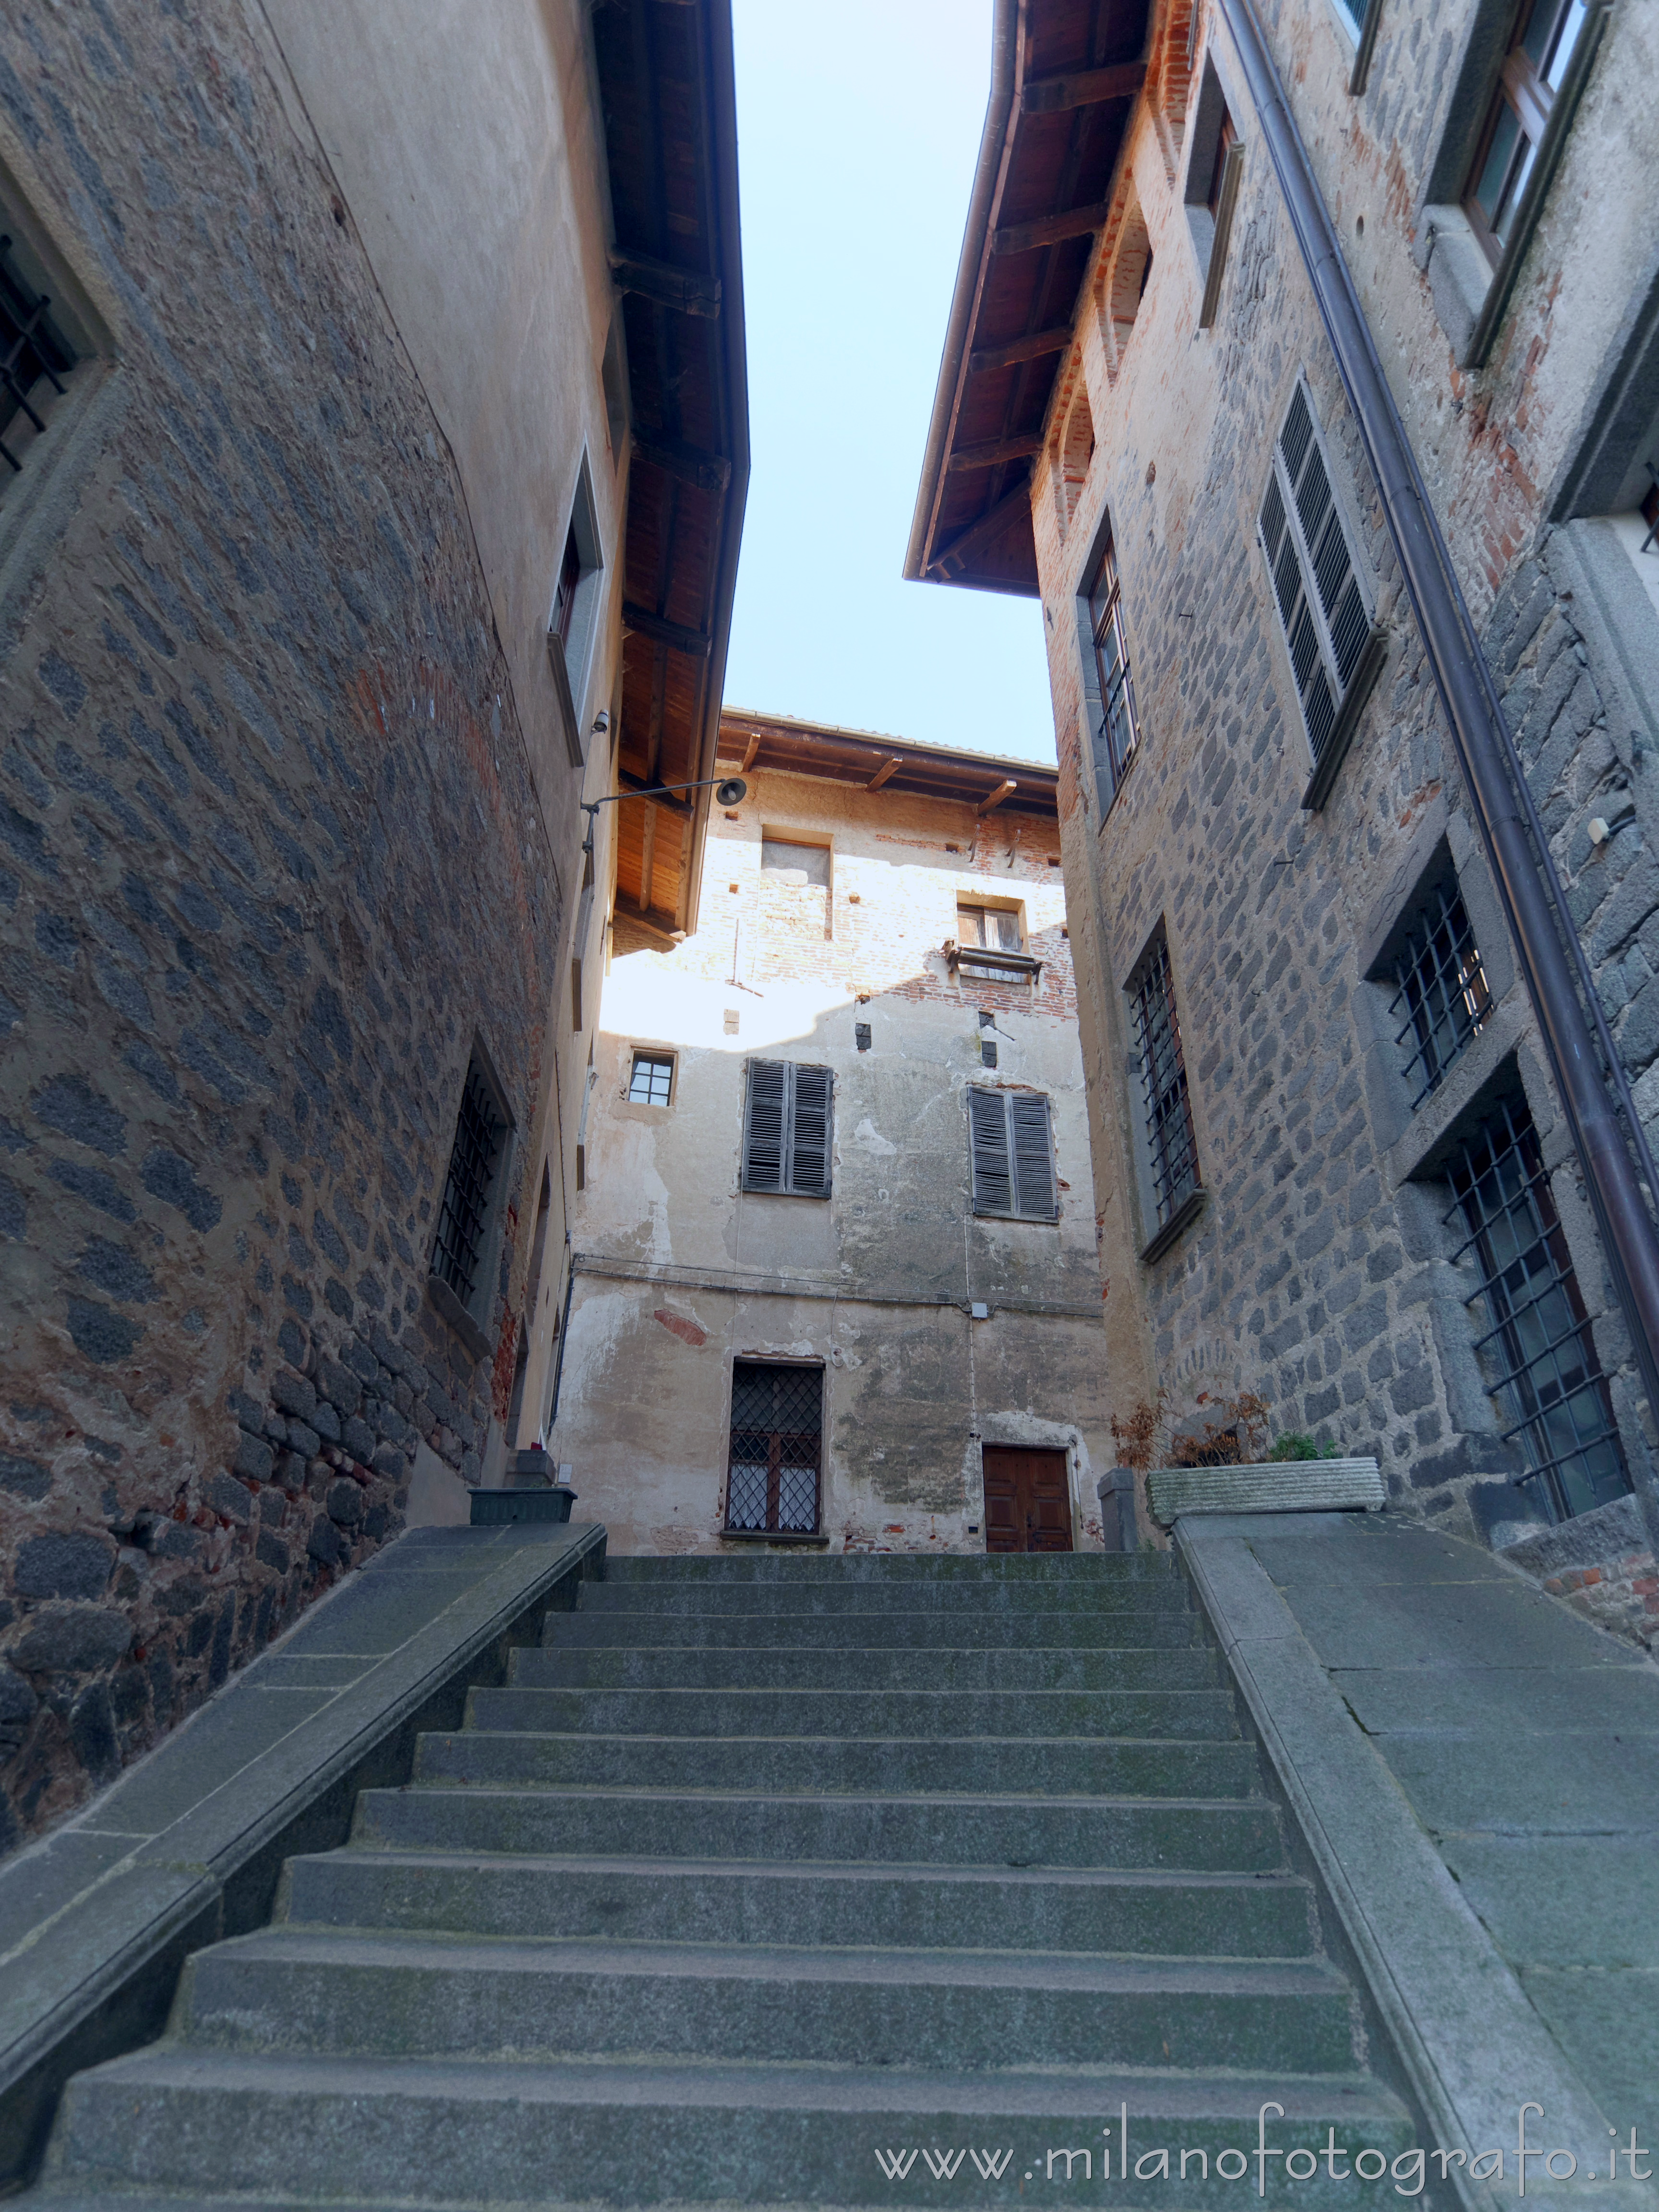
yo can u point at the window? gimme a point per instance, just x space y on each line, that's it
1539 1337
777 1436
990 926
1541 45
1012 1155
795 863
35 357
1118 734
466 1214
788 1133
1443 999
1213 172
1316 590
652 1080
572 622
989 946
1172 1154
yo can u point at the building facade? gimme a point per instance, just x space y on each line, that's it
1234 286
375 419
833 1279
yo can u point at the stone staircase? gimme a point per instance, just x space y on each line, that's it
784 1881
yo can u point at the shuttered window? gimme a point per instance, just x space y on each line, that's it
787 1129
1013 1154
1314 575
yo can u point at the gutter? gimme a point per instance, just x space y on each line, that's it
719 91
995 142
1578 1043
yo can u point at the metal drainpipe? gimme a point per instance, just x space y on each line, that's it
1527 881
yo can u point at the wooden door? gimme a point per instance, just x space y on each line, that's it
1028 1504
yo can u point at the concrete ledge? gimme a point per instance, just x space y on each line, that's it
1306 1485
1471 2043
187 1847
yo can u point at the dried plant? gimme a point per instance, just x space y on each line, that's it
1136 1438
1238 1438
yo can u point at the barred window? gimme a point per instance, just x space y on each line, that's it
1118 734
1012 1153
1169 1120
788 1135
474 1162
1549 1376
1315 575
652 1083
777 1433
1444 999
35 357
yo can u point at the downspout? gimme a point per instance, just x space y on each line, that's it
1534 903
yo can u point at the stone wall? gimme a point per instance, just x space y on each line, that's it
271 849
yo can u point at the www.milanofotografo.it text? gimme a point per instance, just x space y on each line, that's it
1407 2170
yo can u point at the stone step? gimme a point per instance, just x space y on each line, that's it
1210 1836
844 1568
855 1631
979 1766
410 1996
1205 1714
989 1598
782 1667
1130 1914
217 2123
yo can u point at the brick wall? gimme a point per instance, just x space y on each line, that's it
269 848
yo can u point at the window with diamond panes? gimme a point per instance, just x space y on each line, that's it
1172 1152
777 1429
35 357
1442 1000
1549 1376
463 1215
652 1083
787 1134
1012 1153
1315 575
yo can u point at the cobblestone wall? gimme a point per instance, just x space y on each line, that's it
270 848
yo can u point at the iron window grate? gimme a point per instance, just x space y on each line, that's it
1443 999
459 1248
773 1471
653 1079
1168 1117
1550 1378
32 350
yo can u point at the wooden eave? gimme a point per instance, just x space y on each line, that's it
667 96
1065 76
867 759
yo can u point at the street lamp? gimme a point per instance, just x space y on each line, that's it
729 790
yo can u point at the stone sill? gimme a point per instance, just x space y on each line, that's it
788 1536
1188 1210
451 1310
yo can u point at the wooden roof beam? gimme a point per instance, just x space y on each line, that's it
644 623
1050 96
690 464
889 768
1031 347
1049 229
995 519
1006 789
683 289
989 456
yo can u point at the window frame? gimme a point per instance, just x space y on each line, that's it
1172 1195
771 1527
788 1142
1523 88
653 1056
1215 165
1114 696
1347 696
572 614
468 1313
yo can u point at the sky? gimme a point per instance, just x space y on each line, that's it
858 128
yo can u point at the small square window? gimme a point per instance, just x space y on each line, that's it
652 1080
995 927
795 863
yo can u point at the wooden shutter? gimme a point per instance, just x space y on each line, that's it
787 1139
988 1137
763 1134
809 1132
1033 1156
